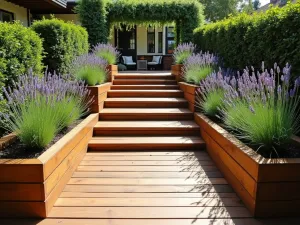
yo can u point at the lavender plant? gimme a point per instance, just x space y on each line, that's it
210 95
183 51
41 107
197 67
89 68
107 52
263 111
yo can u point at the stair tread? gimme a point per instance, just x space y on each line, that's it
118 125
135 99
144 110
146 140
163 90
144 87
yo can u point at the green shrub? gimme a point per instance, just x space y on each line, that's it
90 68
62 42
92 15
244 40
107 52
20 50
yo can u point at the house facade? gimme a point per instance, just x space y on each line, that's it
140 42
279 3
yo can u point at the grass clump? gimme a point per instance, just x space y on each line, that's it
39 108
107 52
197 67
182 52
263 111
89 68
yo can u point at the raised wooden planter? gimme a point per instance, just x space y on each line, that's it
112 71
30 187
176 70
268 187
99 95
189 94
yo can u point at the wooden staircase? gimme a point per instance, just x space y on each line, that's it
145 112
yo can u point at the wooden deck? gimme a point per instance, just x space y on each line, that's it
132 174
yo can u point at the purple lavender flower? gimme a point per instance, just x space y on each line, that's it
106 52
183 51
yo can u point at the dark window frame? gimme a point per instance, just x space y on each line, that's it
154 42
169 39
1 17
160 42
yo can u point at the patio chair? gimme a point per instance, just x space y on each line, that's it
128 62
156 63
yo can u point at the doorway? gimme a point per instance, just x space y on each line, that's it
125 41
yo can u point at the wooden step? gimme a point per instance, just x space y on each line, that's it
145 103
142 128
143 81
145 87
146 114
108 143
145 76
146 93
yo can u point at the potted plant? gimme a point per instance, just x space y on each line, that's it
110 55
181 53
46 144
248 124
195 68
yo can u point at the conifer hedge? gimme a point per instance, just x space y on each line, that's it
100 16
244 40
62 42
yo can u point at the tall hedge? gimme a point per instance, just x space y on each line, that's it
92 15
62 41
20 50
272 36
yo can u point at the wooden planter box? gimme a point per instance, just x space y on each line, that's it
268 187
30 187
176 70
112 71
189 94
99 95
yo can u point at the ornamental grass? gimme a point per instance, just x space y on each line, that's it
89 68
198 66
39 108
182 52
259 107
107 52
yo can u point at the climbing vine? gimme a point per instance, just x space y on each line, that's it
98 16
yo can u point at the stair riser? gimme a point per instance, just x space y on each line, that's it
145 95
144 87
142 82
145 116
149 132
145 77
145 104
144 147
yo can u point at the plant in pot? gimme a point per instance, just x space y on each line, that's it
92 70
180 54
43 155
254 141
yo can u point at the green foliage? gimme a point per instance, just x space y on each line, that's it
244 40
111 59
62 42
212 101
92 15
196 74
92 75
20 50
100 16
219 9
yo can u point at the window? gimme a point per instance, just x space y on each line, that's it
132 39
6 16
160 42
151 40
170 40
